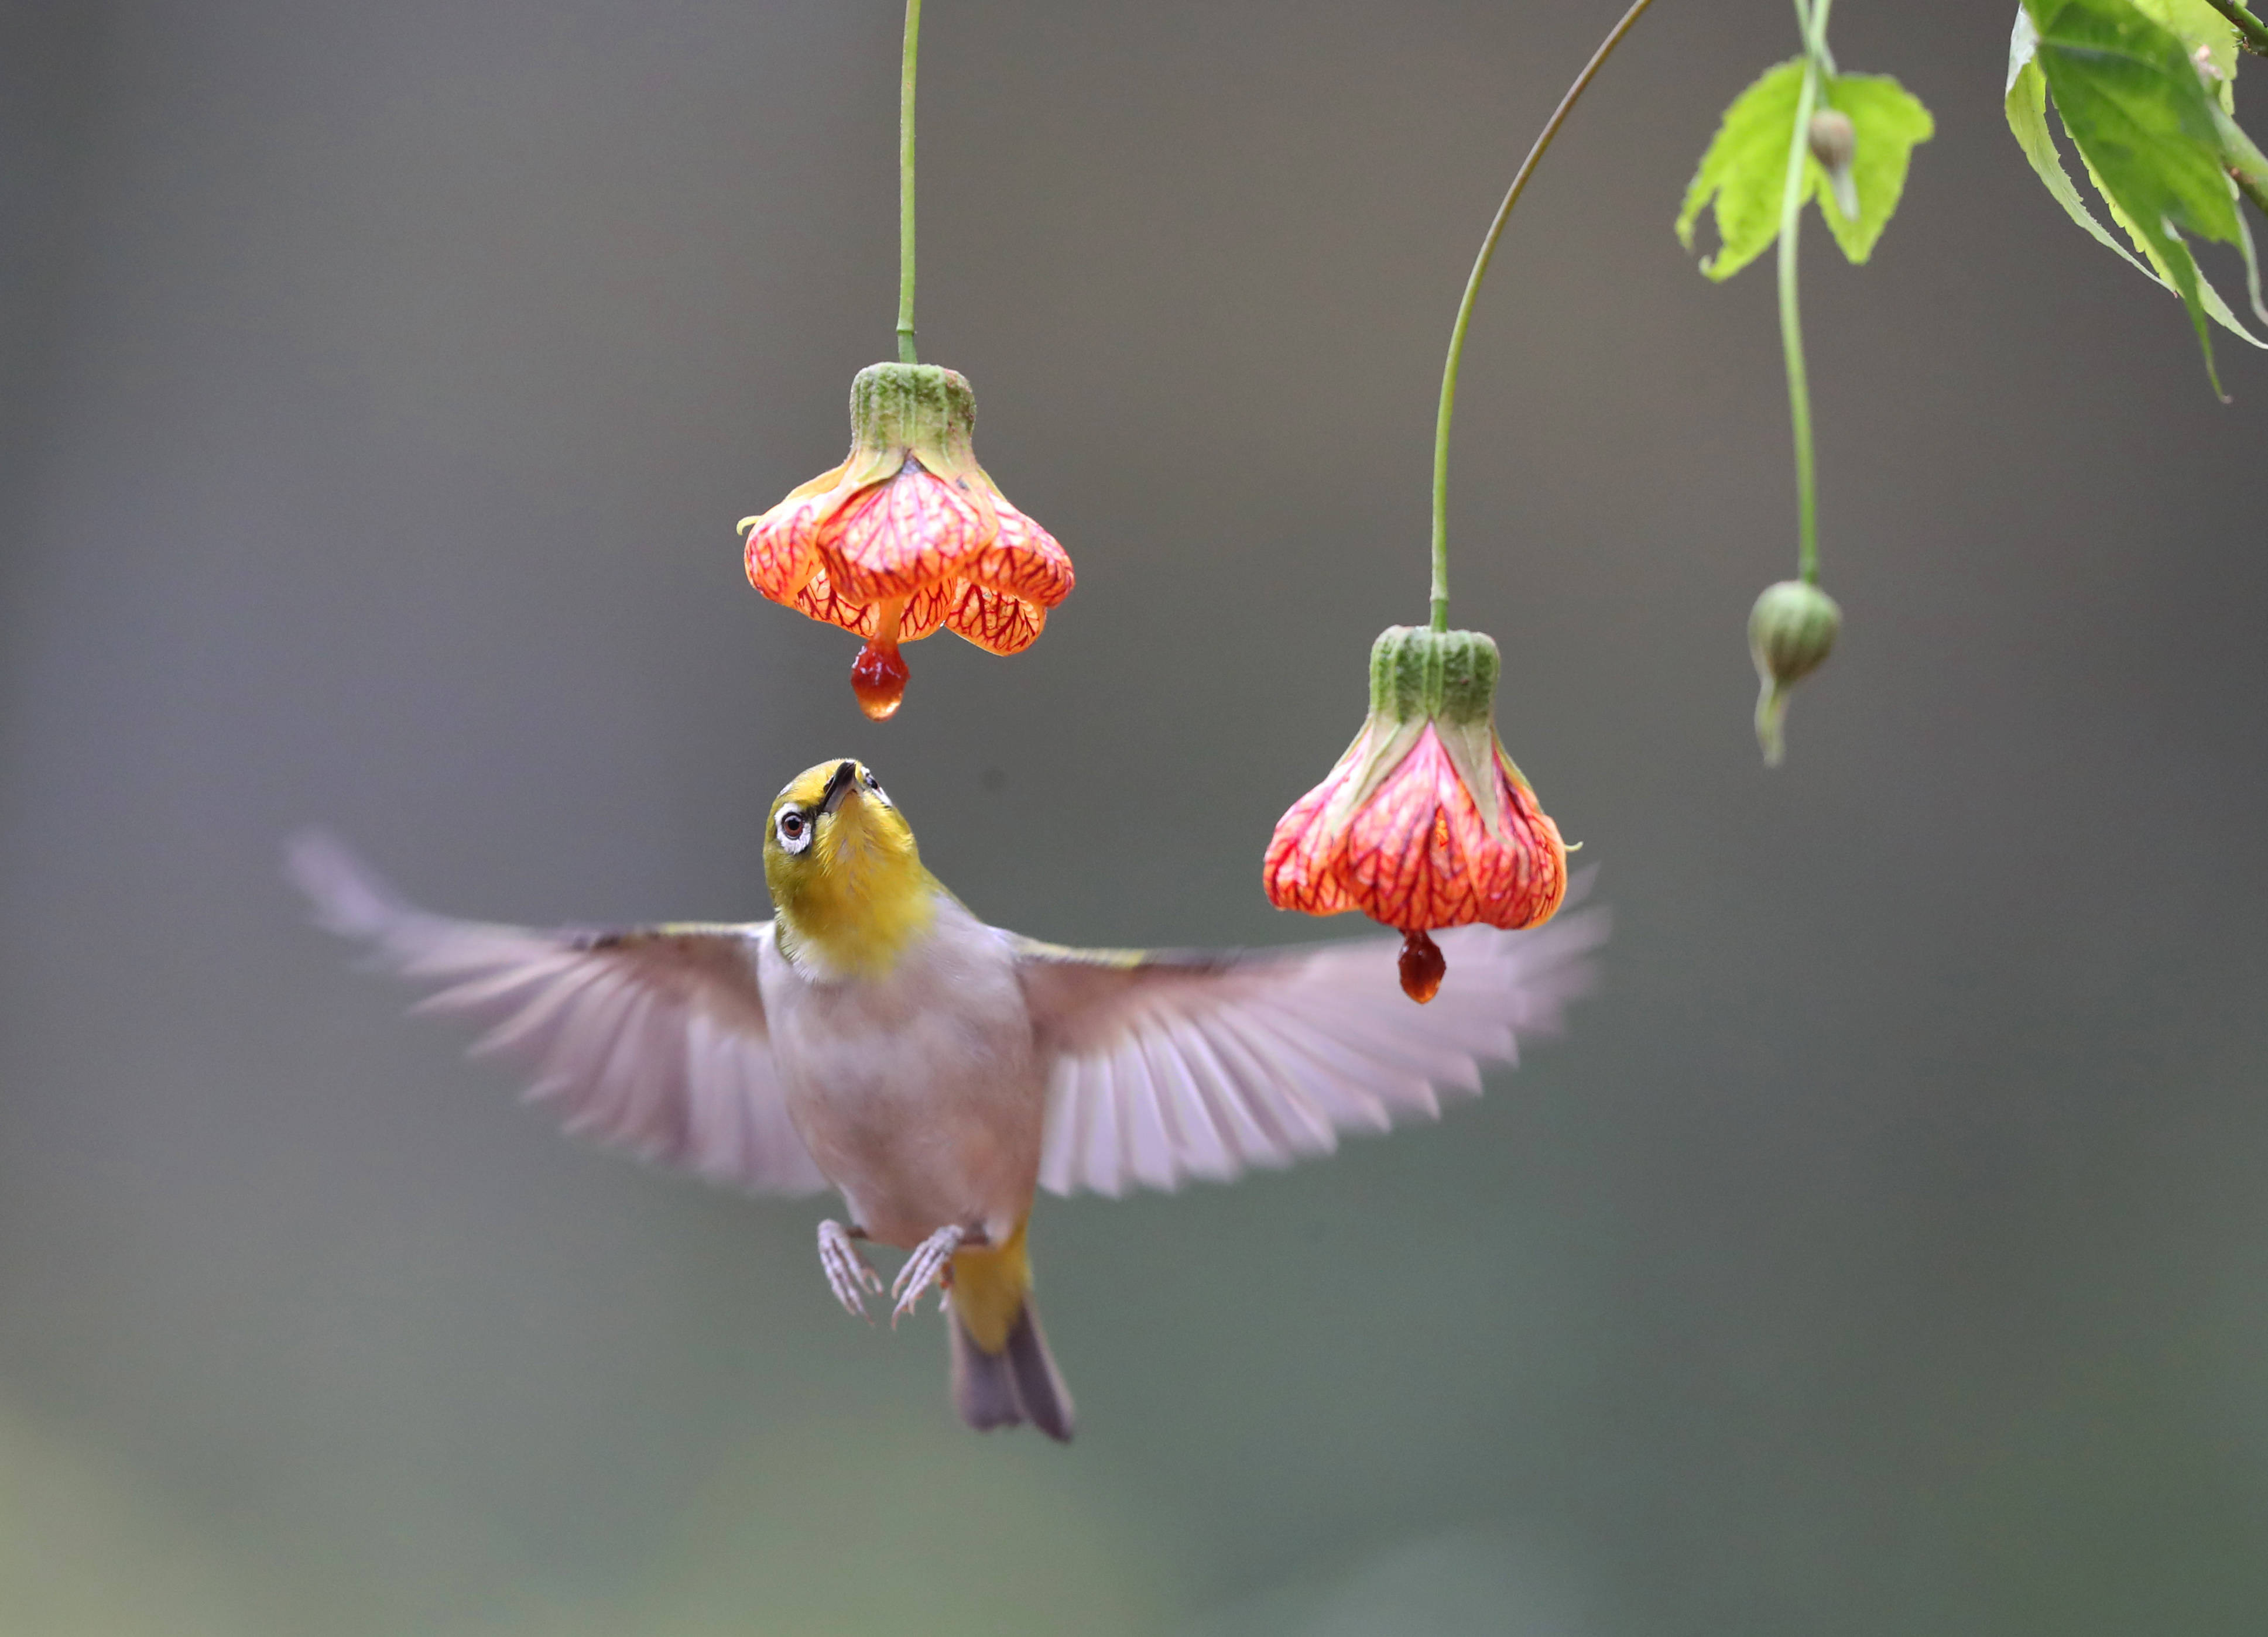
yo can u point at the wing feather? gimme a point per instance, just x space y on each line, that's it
1344 1099
1245 1102
651 1039
1202 1147
1207 1150
1059 1143
1150 1150
573 1071
532 1032
1103 1141
1301 1128
609 1054
1165 1068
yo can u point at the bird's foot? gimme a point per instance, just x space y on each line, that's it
845 1268
930 1263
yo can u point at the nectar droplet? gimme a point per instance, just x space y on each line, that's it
1423 966
878 677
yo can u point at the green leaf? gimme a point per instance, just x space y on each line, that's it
2026 105
2215 308
2134 106
1746 168
2195 23
1890 121
2029 118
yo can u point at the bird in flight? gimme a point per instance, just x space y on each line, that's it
877 1038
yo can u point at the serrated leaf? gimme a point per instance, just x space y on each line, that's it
1746 169
1890 122
2133 105
2027 106
2029 121
2215 308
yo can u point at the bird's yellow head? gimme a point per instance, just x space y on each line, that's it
845 877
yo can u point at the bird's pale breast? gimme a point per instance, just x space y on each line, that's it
916 1092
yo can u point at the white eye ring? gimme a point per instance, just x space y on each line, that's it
793 830
875 788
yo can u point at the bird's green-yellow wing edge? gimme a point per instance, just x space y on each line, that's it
1166 1067
651 1039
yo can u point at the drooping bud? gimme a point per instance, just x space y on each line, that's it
1423 966
1835 144
1792 630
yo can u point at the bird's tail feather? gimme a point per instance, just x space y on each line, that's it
1002 1375
1017 1384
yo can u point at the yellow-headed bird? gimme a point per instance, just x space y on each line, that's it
877 1038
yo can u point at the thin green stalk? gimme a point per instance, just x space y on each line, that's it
1813 19
2249 29
1465 309
906 354
2250 187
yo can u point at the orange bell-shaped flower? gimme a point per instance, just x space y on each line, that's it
1424 823
907 535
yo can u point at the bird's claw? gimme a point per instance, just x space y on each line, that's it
846 1269
928 1265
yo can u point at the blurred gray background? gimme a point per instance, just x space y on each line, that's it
1882 1253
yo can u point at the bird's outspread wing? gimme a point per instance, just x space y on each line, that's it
651 1039
1168 1067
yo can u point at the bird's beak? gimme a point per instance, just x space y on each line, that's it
844 783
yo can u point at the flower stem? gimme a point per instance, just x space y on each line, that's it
906 354
2249 29
1473 288
1813 16
2250 187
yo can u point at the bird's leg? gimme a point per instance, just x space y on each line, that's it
845 1268
931 1263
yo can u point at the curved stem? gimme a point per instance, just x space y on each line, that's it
2249 29
1814 19
1465 308
2250 187
906 184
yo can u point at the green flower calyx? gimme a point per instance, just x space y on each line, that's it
920 410
1416 674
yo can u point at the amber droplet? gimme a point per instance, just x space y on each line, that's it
878 677
1423 966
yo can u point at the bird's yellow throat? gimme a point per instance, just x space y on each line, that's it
859 896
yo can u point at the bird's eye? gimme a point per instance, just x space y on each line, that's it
870 780
794 830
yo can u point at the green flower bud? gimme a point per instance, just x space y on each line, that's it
1835 144
1833 139
1792 630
